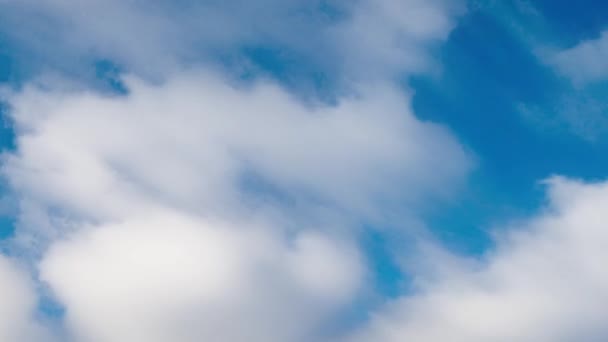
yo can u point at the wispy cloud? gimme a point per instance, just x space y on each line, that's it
585 62
353 39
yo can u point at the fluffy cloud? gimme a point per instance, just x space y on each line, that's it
197 209
194 142
545 281
202 208
169 277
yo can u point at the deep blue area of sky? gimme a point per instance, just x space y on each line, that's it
488 70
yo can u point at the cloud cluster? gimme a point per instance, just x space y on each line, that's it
545 281
195 141
199 209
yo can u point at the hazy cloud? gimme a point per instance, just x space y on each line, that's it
585 62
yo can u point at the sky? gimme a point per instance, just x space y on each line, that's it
303 170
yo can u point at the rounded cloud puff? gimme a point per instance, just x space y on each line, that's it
170 277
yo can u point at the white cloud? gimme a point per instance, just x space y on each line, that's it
371 38
194 209
17 305
188 143
141 200
145 229
385 37
585 62
546 281
170 277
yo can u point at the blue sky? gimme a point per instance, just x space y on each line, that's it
490 71
375 170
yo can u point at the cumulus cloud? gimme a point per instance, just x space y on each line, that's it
201 207
155 233
545 281
192 142
170 277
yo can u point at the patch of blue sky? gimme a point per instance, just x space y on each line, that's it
6 227
304 76
7 75
490 74
569 22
